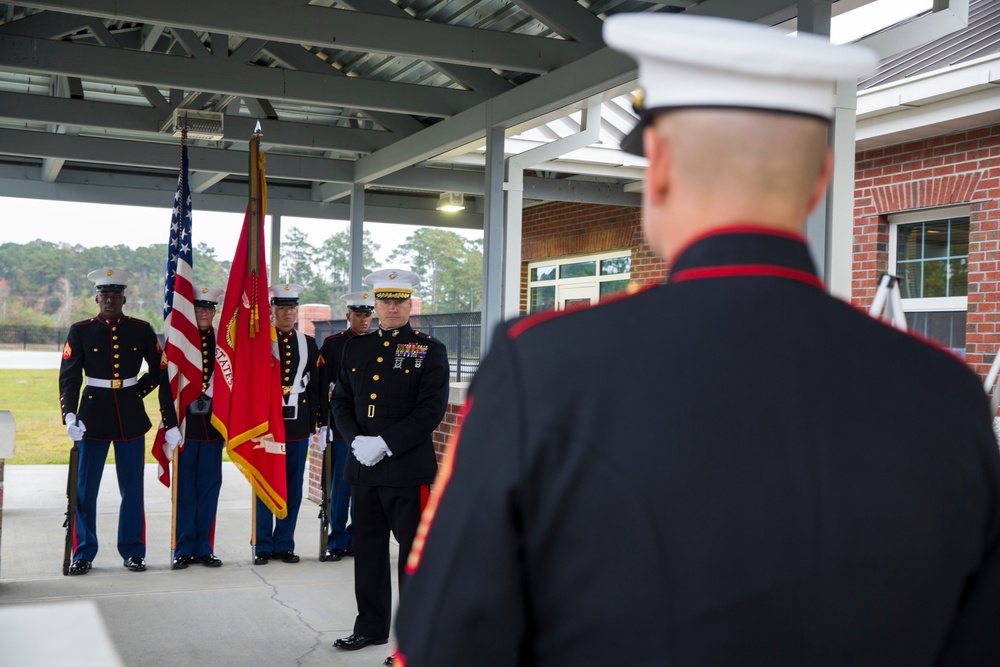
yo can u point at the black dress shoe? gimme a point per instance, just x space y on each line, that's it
354 642
209 560
181 563
287 556
262 558
135 564
330 554
79 567
388 662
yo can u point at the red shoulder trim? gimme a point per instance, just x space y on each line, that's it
738 270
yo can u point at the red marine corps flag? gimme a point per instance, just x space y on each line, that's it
246 407
182 351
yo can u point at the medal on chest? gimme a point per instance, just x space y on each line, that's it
413 351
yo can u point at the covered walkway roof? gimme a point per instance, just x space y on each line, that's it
395 96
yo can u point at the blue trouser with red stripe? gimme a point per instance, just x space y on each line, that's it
341 535
199 480
279 534
130 459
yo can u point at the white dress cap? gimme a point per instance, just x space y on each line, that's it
210 294
699 61
392 283
285 294
363 301
110 280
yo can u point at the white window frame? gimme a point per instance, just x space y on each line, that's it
929 304
558 282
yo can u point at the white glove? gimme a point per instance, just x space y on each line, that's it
324 432
75 429
369 450
172 440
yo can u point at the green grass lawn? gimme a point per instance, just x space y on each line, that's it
32 396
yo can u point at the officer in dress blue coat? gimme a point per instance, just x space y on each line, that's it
390 396
109 350
785 480
199 474
299 359
340 542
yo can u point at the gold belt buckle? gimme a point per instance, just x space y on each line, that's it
286 391
371 411
116 384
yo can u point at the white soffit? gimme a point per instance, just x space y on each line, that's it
939 102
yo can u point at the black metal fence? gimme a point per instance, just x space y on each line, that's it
458 331
17 337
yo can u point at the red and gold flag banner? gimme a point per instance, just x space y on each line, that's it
246 406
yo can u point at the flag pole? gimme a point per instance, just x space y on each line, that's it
255 212
175 465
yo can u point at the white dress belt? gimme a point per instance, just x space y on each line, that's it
112 384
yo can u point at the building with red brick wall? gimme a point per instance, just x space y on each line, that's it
927 210
927 187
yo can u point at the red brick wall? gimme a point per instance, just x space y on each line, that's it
310 312
559 229
960 168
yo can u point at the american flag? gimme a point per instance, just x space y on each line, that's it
182 352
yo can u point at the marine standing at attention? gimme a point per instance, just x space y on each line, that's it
103 356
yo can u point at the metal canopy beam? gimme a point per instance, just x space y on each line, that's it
295 56
472 182
165 156
339 29
24 107
600 71
26 54
476 78
232 200
591 75
766 11
568 19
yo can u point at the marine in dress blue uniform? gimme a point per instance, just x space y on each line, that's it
106 407
390 396
359 307
199 474
299 359
785 480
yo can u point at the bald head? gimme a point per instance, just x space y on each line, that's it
716 167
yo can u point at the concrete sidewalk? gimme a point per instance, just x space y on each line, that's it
240 614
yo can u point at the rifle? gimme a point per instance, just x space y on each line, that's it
70 524
324 485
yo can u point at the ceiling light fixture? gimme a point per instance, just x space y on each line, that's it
451 202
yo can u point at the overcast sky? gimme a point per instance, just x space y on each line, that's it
97 224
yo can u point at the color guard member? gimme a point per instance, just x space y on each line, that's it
199 475
359 307
109 350
299 359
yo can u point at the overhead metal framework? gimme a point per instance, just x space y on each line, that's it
395 96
